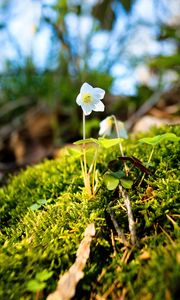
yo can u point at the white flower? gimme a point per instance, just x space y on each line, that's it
106 126
90 98
122 130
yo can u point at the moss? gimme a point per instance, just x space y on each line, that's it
47 238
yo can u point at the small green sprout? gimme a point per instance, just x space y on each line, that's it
91 153
153 141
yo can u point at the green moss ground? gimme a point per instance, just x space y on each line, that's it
47 238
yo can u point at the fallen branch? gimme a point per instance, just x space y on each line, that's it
67 284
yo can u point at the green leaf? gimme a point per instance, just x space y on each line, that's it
35 206
35 285
110 181
107 143
159 138
126 183
118 174
75 152
44 275
86 141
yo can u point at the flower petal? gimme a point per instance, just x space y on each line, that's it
86 88
105 131
99 93
122 130
105 127
99 106
78 99
87 109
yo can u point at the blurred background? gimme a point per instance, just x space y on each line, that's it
49 48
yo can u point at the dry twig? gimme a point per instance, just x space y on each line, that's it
131 222
67 284
117 228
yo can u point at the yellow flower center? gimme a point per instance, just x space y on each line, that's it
109 121
86 98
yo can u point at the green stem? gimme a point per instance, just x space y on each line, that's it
86 175
120 145
82 167
84 126
149 159
117 132
84 137
151 154
94 170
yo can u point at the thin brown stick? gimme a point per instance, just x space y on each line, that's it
113 243
117 228
131 222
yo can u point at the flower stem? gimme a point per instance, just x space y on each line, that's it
150 156
94 170
117 132
86 175
84 126
120 145
84 137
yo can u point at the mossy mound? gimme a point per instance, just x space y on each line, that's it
44 212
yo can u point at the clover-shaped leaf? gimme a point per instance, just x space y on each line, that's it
126 183
110 181
86 141
108 143
159 138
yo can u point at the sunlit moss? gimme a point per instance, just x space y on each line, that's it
47 238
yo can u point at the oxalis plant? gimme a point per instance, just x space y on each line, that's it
112 132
